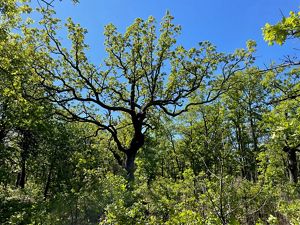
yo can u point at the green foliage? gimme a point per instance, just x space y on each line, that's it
291 210
228 161
288 27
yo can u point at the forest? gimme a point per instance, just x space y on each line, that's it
155 134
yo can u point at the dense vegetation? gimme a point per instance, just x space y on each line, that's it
158 134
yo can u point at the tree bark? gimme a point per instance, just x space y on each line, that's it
130 165
136 143
292 165
22 174
47 186
25 144
2 134
255 145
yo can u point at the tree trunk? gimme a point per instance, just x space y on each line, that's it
23 173
130 152
136 143
255 145
25 145
47 186
2 134
130 165
292 163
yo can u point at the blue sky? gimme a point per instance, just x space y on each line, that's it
228 24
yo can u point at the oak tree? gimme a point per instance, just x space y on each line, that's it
145 73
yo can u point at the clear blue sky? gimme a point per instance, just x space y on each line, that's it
228 24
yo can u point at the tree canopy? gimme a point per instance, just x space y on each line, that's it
157 134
